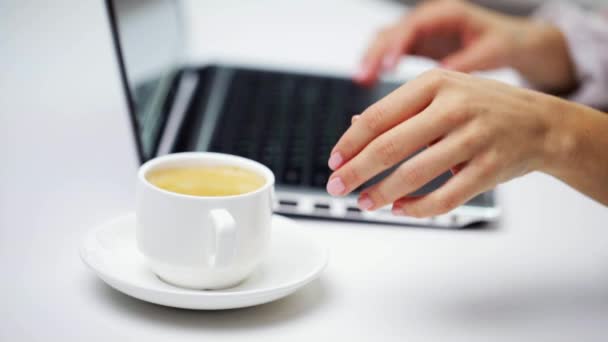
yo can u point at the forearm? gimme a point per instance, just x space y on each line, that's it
577 148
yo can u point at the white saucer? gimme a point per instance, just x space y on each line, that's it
294 260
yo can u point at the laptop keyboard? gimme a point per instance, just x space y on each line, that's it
289 122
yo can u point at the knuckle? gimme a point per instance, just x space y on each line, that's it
481 111
373 119
436 77
351 177
410 177
346 146
455 114
482 135
447 202
457 7
378 197
463 97
415 210
387 152
489 165
456 109
453 6
469 142
434 5
432 74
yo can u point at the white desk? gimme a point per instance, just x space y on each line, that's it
68 163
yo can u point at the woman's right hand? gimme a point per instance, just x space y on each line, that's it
487 131
465 37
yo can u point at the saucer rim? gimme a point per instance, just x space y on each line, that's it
175 290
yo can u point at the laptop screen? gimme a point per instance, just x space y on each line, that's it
149 41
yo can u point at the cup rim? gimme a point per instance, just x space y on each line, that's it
154 162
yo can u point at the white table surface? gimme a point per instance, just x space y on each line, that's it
68 162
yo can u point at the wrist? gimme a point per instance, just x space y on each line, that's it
575 148
542 56
562 142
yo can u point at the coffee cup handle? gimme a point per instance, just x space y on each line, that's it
225 237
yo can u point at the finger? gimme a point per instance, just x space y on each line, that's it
371 64
399 46
411 29
335 160
427 21
401 43
403 103
480 55
441 16
454 170
469 182
418 171
392 43
389 149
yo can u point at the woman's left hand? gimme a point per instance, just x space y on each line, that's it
487 131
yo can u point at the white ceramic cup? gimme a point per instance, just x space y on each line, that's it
203 242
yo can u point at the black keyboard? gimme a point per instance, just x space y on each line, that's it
289 122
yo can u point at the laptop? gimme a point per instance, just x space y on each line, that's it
287 120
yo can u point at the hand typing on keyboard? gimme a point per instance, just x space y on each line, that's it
465 37
487 131
483 131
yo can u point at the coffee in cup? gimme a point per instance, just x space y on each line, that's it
206 180
203 219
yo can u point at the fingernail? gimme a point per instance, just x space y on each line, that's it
398 211
365 203
359 76
390 61
362 73
335 186
335 161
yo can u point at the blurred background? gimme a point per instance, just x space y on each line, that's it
160 37
519 7
159 34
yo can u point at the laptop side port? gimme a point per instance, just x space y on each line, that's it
353 212
322 208
288 205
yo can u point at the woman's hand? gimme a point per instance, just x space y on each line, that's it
465 37
488 131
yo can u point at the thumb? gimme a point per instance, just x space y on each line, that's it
481 55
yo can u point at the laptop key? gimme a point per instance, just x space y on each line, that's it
288 122
320 178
